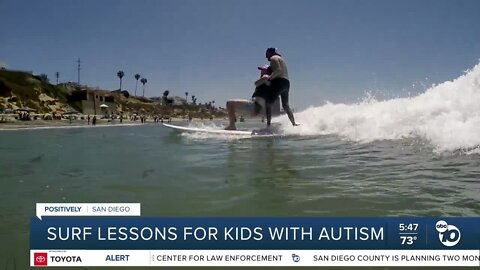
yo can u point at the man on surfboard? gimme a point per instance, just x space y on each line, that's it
279 84
273 82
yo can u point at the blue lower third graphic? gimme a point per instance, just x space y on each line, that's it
130 233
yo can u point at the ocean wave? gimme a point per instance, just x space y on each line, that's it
446 115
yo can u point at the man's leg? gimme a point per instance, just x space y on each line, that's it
286 107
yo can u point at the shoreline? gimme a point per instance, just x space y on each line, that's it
58 124
65 124
63 127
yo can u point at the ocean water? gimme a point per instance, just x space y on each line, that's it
413 156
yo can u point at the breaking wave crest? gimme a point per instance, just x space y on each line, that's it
446 115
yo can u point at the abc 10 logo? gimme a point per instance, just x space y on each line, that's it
449 235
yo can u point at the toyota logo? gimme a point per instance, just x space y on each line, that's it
40 258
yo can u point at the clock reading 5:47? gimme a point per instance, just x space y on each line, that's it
410 227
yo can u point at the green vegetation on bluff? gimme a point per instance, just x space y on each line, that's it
20 89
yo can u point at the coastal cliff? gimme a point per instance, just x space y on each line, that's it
19 89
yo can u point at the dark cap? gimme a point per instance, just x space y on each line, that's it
271 50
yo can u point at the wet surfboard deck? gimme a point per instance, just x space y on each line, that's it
252 133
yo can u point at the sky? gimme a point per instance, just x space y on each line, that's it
336 51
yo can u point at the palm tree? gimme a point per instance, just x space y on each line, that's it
194 99
143 81
186 97
120 75
137 76
165 97
57 74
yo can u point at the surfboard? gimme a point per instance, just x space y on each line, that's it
253 133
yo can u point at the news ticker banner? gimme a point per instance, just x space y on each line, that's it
275 258
246 241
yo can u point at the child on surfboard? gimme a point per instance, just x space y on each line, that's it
260 97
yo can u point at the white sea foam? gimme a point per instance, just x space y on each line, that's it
446 115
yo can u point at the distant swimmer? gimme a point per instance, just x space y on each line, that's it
279 84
